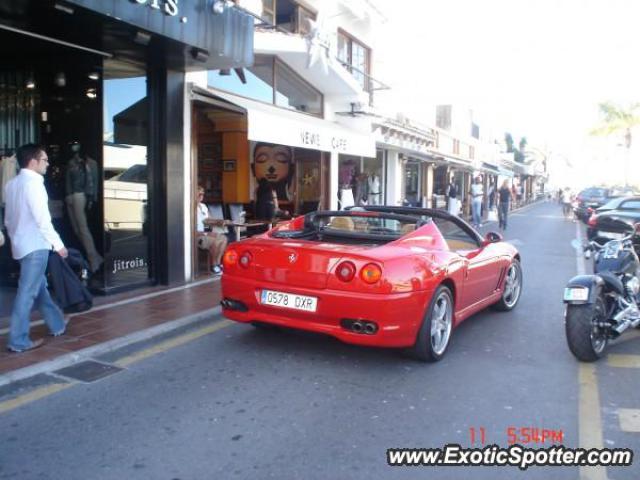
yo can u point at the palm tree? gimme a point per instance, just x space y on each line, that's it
508 139
617 119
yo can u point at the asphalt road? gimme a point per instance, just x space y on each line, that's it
238 403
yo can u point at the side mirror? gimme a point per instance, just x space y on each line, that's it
492 237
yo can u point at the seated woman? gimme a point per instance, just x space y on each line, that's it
214 241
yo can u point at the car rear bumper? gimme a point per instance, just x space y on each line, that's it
398 316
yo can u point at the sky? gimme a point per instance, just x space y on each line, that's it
536 68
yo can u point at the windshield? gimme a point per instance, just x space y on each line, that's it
366 225
612 204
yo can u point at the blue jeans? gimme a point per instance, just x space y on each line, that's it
32 289
476 210
503 212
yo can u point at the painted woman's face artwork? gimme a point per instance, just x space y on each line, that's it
272 163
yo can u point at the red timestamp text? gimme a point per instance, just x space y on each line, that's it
520 435
529 435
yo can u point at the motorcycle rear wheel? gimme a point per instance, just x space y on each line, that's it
586 341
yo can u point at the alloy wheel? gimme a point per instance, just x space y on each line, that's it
441 323
512 286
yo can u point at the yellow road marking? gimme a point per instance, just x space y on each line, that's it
629 419
590 423
32 396
45 391
623 361
169 344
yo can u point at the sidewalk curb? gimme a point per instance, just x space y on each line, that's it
106 347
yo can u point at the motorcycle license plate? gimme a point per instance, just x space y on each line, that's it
289 300
576 294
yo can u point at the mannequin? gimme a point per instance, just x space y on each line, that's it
374 189
346 174
362 189
81 189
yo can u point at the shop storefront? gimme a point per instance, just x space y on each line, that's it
100 84
299 154
361 180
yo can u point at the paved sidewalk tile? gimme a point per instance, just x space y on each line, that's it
105 323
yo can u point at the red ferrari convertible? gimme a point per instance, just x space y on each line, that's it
378 276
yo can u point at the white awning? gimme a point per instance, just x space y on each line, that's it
267 123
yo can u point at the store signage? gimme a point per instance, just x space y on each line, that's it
120 265
310 138
227 37
169 7
314 139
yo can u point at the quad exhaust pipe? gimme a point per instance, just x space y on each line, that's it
364 327
231 304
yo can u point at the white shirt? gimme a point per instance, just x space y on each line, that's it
476 190
27 216
202 214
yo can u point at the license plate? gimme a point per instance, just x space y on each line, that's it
612 235
289 300
576 294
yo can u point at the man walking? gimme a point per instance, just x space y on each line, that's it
504 199
476 202
32 235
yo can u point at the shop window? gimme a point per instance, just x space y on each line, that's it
355 56
125 196
271 81
361 181
259 80
412 184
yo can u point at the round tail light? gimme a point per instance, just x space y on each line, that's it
370 273
346 271
230 258
245 259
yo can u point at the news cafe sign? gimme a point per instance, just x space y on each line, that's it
168 7
331 143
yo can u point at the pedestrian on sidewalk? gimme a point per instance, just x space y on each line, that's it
476 202
505 196
567 211
453 204
32 235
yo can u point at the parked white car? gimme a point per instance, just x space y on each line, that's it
125 199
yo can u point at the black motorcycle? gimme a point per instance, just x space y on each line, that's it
600 307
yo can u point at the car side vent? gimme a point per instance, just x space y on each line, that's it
500 278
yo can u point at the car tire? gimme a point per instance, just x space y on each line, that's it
430 345
512 290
